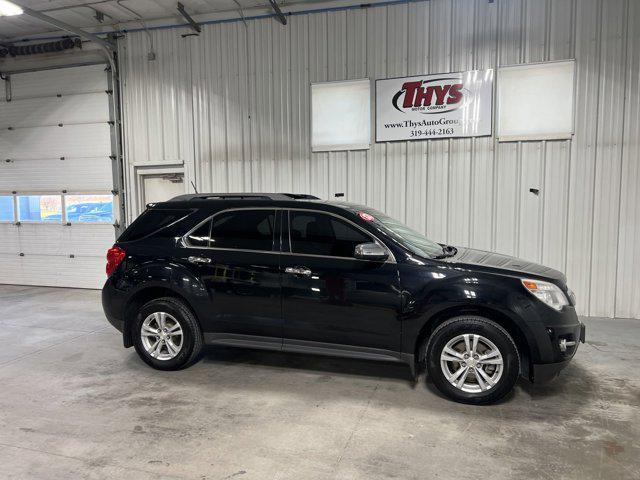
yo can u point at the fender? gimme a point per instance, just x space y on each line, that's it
147 280
433 293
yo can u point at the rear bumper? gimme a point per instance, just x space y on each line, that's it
118 324
112 305
572 336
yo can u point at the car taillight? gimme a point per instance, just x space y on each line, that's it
115 255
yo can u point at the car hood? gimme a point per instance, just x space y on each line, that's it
469 257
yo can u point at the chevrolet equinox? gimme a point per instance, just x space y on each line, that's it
293 273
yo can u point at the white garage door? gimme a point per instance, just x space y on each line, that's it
56 206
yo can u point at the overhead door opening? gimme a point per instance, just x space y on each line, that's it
57 208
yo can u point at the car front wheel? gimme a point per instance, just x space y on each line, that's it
166 334
472 360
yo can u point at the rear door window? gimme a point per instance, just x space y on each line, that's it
244 230
152 221
315 233
200 237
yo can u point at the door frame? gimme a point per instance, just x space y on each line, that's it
153 171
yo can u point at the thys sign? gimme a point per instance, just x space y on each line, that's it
434 106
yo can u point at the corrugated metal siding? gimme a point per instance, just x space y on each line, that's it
627 297
250 125
158 112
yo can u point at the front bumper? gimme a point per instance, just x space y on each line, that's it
565 341
543 373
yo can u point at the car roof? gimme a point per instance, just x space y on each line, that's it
219 201
244 196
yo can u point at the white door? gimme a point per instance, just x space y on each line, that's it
56 206
160 188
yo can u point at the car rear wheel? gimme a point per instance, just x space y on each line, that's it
166 334
472 360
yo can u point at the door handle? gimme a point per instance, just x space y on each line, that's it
298 271
199 260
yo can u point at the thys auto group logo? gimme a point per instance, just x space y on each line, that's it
438 95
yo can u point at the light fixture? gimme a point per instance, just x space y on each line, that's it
8 9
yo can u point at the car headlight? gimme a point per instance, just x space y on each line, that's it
546 292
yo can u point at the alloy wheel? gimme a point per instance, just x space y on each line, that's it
471 363
161 336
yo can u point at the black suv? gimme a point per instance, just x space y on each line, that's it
293 273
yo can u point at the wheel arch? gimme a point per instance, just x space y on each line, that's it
502 319
141 297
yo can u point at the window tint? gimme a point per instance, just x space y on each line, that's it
151 221
244 229
200 236
322 234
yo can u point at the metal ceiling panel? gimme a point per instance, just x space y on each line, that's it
125 13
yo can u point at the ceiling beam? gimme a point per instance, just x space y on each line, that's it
279 15
192 23
69 28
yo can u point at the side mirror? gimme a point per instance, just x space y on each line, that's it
370 251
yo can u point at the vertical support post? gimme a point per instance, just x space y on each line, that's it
7 88
115 123
63 206
16 210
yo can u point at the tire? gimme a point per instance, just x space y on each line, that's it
168 311
485 379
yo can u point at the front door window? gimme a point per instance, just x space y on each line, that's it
314 233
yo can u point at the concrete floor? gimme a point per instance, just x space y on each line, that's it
75 404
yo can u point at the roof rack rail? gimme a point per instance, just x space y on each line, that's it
243 196
300 196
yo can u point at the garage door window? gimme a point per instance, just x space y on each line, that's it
89 208
40 208
6 208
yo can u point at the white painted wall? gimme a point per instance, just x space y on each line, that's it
232 106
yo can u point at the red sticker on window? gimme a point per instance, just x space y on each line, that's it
366 217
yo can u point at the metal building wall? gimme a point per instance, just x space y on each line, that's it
233 105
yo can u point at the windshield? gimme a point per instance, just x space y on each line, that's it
407 237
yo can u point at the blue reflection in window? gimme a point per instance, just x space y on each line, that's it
36 208
99 213
6 208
